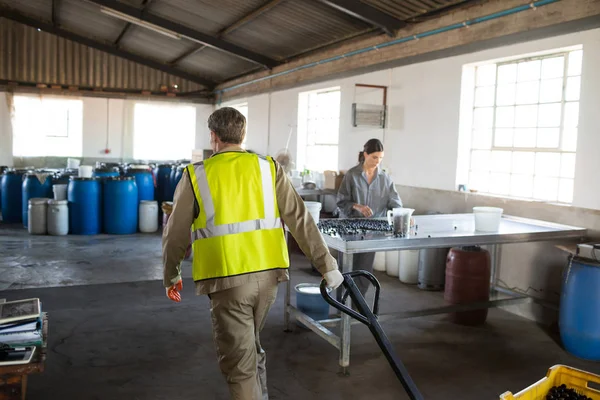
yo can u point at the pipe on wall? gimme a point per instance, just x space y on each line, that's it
465 24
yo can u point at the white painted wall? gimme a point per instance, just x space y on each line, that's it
6 143
422 138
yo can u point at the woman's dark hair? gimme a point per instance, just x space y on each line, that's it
372 146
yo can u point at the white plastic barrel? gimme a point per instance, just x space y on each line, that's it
85 171
314 208
60 192
391 263
148 214
487 219
58 217
409 267
36 217
379 263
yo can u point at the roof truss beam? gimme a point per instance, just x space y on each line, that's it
187 32
368 14
145 4
110 49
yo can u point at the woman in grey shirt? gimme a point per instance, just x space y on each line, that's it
367 192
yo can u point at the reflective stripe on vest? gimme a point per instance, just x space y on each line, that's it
211 230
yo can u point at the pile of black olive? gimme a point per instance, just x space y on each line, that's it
563 393
353 226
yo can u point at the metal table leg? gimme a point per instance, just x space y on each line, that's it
345 328
495 251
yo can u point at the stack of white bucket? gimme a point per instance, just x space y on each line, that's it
403 265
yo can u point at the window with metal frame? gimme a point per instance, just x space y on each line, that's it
318 129
524 131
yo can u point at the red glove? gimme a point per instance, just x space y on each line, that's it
173 291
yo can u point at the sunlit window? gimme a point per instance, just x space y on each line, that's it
47 126
163 131
525 120
318 129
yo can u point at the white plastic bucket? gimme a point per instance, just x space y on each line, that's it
60 192
58 217
409 267
379 263
391 263
73 163
85 171
487 219
148 214
314 208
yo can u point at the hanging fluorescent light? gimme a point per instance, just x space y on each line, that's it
139 22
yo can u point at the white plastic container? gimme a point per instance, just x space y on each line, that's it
58 217
36 217
391 263
85 171
409 267
148 212
73 163
487 219
379 263
314 208
60 192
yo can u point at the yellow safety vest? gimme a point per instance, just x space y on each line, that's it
238 229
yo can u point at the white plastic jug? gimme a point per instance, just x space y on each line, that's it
58 217
148 214
60 192
391 263
379 263
409 267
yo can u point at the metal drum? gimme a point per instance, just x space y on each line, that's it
85 206
144 181
35 184
432 268
12 195
120 206
468 273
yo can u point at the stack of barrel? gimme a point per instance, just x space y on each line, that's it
117 198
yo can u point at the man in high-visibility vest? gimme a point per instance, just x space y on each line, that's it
234 203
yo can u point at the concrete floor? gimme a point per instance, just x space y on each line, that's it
114 335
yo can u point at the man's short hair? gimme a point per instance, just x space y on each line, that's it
228 124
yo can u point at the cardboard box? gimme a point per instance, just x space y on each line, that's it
333 179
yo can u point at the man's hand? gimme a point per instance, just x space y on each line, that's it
334 279
364 210
173 291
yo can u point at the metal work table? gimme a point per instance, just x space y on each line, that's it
433 231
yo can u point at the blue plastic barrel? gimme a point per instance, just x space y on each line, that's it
162 174
2 169
144 181
579 320
12 195
120 206
310 301
105 172
33 187
85 206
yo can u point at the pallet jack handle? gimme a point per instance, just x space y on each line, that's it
368 316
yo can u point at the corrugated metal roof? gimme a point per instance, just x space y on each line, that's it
145 42
204 15
27 55
405 9
216 65
294 26
36 8
86 19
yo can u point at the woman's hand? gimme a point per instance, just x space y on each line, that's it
364 210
